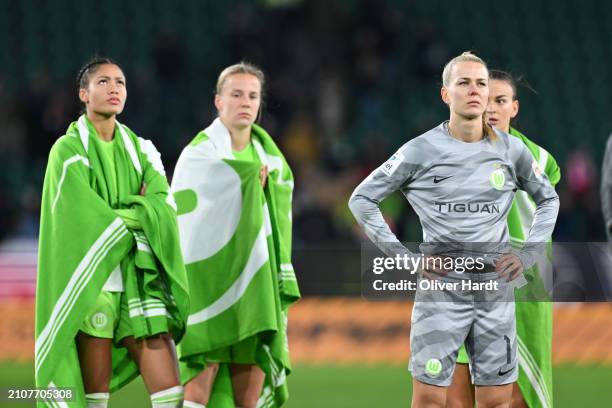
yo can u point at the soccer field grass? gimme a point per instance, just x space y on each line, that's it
361 386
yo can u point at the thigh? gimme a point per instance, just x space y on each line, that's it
156 360
517 398
247 383
427 395
199 388
437 332
492 344
497 396
460 394
95 362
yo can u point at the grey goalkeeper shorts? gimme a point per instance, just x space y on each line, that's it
445 318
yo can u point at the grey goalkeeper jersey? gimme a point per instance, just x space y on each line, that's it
462 192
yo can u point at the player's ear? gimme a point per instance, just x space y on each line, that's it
218 102
444 95
83 95
515 109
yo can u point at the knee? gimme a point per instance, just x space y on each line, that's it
246 402
453 401
429 400
247 398
518 403
158 341
195 393
493 403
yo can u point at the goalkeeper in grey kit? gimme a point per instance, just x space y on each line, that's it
460 178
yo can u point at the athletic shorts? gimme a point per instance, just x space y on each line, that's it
103 318
463 357
443 320
243 352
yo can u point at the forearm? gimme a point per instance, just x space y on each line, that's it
368 215
541 230
129 218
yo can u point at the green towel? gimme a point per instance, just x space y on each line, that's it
82 240
236 242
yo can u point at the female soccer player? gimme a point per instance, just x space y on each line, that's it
233 189
533 319
111 293
450 175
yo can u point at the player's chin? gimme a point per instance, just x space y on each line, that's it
242 122
473 112
108 112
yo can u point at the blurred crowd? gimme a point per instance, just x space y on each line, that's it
340 98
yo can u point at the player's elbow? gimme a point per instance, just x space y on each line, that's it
358 205
353 204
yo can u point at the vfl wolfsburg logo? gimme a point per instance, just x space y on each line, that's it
99 320
433 368
497 179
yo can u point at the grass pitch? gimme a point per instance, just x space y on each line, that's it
335 386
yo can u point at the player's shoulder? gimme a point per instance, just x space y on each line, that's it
424 146
133 136
143 145
608 151
68 144
536 150
508 143
201 137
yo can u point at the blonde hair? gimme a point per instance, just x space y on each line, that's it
240 68
468 56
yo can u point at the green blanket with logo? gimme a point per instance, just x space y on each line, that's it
236 242
82 240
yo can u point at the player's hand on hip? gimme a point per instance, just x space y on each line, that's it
433 267
509 265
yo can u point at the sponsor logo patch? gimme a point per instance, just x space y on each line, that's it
99 320
390 166
433 367
497 179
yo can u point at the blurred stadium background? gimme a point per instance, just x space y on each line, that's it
348 83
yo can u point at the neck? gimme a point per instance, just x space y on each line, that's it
241 137
104 125
466 130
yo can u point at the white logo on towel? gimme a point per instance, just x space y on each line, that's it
213 222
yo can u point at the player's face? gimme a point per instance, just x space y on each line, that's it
468 89
239 100
106 93
501 108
